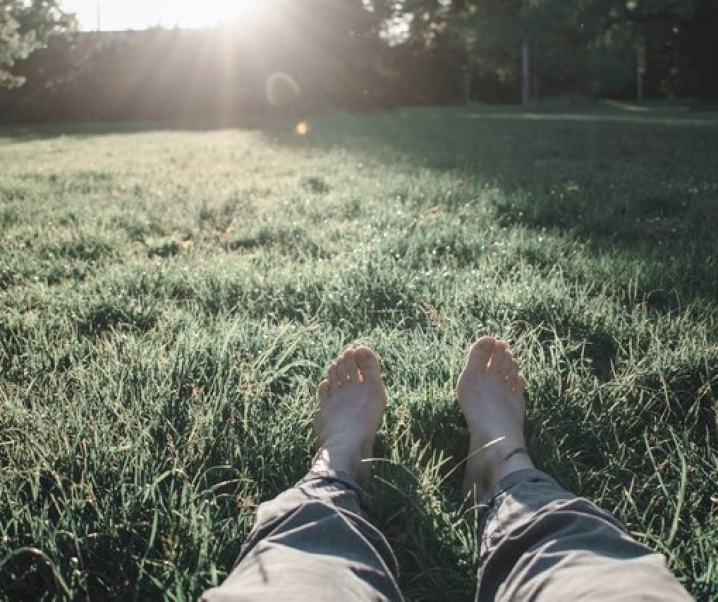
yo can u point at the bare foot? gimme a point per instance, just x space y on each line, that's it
490 392
351 400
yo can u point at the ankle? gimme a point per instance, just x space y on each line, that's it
517 460
337 457
497 465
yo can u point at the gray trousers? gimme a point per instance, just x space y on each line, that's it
538 542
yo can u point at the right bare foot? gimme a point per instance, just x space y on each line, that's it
490 392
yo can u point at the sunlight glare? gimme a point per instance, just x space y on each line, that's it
119 15
249 10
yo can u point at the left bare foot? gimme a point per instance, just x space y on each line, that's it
351 401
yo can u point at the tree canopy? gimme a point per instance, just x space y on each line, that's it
26 26
585 46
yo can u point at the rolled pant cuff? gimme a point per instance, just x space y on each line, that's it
338 477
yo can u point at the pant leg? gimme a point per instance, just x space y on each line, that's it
313 542
540 542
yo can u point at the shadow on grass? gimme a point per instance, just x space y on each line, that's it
590 112
636 184
422 526
48 131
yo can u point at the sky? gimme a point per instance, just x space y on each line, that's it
116 15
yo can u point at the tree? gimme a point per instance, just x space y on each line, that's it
26 26
583 46
704 47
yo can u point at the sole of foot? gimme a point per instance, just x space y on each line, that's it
490 391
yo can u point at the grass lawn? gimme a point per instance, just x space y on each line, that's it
170 297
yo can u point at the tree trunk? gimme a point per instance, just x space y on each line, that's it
704 48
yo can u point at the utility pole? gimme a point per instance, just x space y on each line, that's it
526 77
640 68
525 62
98 16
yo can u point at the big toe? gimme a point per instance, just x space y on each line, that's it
480 354
368 363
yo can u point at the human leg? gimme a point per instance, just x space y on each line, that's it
538 541
313 542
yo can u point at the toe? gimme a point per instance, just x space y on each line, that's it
520 384
480 353
352 368
498 357
513 374
333 375
323 390
504 370
367 363
342 370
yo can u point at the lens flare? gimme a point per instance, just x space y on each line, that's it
282 89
